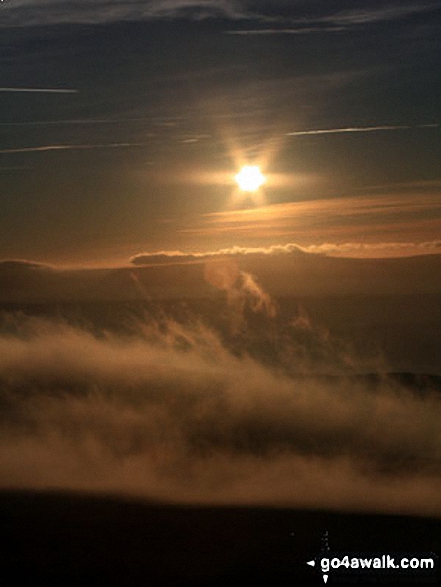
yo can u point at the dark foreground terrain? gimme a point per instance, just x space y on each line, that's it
50 540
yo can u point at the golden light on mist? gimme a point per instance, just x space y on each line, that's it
250 178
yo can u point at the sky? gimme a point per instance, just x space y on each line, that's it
163 332
123 125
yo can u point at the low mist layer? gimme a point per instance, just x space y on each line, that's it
181 412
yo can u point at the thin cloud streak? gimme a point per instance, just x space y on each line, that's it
342 21
79 121
40 90
285 31
363 16
34 12
413 216
31 12
46 148
328 131
345 206
348 249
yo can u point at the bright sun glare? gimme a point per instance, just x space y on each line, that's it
250 178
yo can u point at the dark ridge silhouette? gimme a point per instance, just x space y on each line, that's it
54 539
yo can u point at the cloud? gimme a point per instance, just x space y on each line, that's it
311 23
174 412
46 148
158 121
22 265
14 167
285 31
196 8
346 249
384 217
40 90
222 272
31 12
355 129
374 250
242 289
360 16
166 257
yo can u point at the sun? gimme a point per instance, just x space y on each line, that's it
250 178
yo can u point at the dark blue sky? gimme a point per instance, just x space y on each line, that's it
170 97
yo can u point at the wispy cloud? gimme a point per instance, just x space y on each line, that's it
46 148
14 167
411 216
23 265
379 13
353 129
285 31
375 250
31 12
347 249
155 121
197 8
166 257
41 90
176 412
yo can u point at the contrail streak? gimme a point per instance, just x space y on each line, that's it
290 31
71 147
329 131
76 121
41 90
85 121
